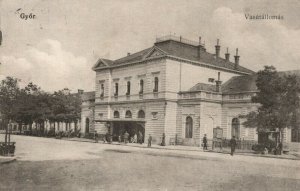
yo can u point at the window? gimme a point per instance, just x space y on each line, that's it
101 90
155 84
141 114
100 115
116 114
128 88
141 87
189 127
235 128
128 114
87 125
116 89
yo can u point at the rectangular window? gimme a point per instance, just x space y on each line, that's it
155 84
101 90
141 87
128 88
116 89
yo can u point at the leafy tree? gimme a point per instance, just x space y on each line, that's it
278 97
9 93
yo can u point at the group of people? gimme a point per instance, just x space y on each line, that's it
133 139
232 144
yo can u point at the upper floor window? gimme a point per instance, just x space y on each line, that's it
128 88
102 90
155 84
116 93
141 86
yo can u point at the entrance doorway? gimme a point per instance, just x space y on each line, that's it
120 127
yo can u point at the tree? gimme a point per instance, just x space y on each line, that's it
9 92
278 97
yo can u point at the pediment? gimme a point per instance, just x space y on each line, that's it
100 64
155 52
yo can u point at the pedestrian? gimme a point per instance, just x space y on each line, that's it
163 141
96 137
149 140
232 145
126 136
204 141
119 138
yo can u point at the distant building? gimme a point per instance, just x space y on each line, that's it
174 87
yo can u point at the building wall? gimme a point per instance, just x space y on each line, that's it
87 112
234 110
182 76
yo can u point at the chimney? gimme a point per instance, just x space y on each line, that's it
236 59
199 48
218 83
227 55
128 53
217 49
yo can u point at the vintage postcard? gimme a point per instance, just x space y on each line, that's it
149 95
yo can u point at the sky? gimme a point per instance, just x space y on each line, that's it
58 48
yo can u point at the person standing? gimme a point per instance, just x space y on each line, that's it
135 138
232 145
149 140
163 142
204 141
96 137
126 136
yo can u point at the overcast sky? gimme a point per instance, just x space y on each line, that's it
58 48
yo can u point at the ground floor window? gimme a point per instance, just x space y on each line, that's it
235 128
189 127
295 135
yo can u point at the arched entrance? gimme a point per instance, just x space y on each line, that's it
235 128
87 125
189 127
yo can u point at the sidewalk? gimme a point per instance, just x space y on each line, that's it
192 149
7 159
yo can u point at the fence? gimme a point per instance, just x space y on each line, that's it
240 144
7 148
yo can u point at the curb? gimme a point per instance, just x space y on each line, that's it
7 161
174 149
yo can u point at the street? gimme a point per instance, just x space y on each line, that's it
51 164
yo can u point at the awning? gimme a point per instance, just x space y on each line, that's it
120 120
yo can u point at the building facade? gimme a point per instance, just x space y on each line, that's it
175 88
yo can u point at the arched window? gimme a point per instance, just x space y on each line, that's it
235 128
128 88
141 86
141 114
155 84
128 114
87 125
116 114
189 127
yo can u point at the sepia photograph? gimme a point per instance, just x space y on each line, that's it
147 95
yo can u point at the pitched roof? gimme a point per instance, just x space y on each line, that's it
179 50
203 87
238 84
